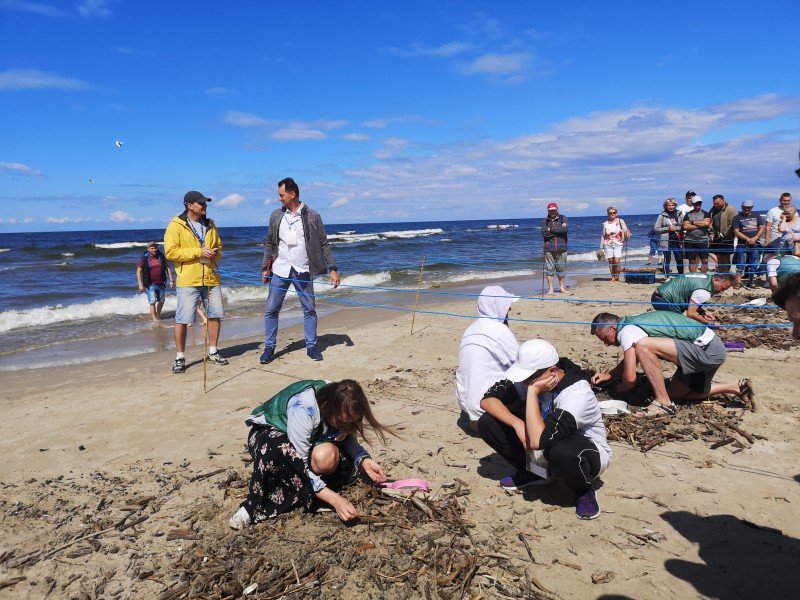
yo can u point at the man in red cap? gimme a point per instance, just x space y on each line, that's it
554 232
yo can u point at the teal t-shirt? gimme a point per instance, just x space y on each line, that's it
666 324
679 290
788 266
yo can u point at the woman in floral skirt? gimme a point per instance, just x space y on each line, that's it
304 447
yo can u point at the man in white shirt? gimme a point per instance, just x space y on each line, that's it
687 205
647 339
773 219
295 251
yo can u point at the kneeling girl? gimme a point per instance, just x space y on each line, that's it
303 443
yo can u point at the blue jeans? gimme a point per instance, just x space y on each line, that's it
674 249
747 258
655 245
304 286
156 292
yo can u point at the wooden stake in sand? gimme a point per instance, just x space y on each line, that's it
416 300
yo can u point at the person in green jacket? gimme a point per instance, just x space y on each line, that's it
788 298
651 337
304 447
689 292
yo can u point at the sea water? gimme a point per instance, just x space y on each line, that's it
66 288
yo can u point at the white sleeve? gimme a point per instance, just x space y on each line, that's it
629 335
772 267
579 401
700 297
302 418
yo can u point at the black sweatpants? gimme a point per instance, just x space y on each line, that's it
574 459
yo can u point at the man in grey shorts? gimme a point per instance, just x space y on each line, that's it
554 231
651 337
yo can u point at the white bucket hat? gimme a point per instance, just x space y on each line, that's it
532 356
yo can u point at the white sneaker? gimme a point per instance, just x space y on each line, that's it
240 520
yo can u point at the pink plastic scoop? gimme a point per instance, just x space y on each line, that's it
408 485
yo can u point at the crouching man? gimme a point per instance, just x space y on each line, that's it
651 337
544 415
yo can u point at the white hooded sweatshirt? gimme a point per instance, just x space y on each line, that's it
487 349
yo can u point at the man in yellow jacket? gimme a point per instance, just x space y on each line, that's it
192 243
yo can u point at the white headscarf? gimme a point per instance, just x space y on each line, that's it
488 348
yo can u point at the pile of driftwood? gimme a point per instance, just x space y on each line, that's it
776 338
403 545
709 421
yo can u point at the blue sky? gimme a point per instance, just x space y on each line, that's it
390 111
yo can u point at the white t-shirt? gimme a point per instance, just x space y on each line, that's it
772 267
684 209
291 245
579 401
700 297
773 219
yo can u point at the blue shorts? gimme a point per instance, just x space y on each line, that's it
188 299
156 292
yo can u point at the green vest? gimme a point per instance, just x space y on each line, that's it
274 409
666 324
789 265
678 290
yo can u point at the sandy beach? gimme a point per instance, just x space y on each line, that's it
86 446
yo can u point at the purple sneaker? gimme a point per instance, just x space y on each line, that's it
586 507
521 480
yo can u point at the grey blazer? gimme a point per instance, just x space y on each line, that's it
320 257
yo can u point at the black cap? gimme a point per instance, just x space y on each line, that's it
689 194
195 197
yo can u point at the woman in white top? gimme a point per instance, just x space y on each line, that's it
615 233
789 228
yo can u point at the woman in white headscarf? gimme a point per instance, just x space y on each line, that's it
488 348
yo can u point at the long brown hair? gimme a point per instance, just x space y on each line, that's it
346 399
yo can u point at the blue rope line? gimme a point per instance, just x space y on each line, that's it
541 321
549 321
247 278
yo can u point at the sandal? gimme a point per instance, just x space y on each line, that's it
656 409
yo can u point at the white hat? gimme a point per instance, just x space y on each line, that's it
532 356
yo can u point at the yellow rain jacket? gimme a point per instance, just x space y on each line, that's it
182 247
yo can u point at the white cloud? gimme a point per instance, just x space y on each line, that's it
94 8
218 92
447 50
641 154
356 137
340 202
286 131
383 122
30 79
131 51
27 220
38 8
511 68
19 169
65 220
120 216
243 119
230 201
287 135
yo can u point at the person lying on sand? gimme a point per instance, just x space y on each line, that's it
303 443
545 416
651 337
